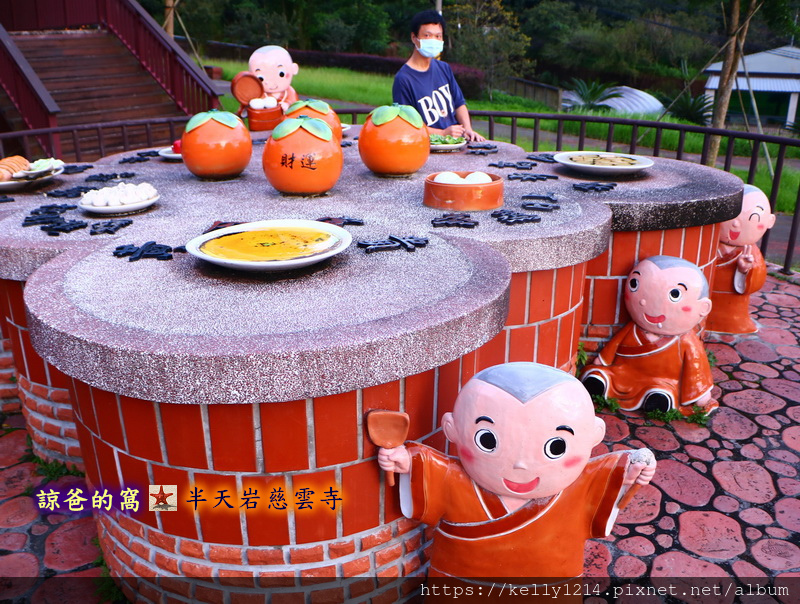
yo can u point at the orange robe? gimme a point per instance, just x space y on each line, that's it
477 537
730 293
632 367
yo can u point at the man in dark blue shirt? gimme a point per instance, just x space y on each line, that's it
428 85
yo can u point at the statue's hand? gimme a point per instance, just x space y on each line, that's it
642 467
395 460
745 263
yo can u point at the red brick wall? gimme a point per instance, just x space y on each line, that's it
131 443
41 388
8 375
543 322
604 312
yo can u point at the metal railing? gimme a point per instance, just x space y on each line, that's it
556 130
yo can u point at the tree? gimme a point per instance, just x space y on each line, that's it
738 15
487 36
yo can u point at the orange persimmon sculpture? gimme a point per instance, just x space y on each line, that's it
523 496
741 269
394 140
657 361
216 145
318 109
302 157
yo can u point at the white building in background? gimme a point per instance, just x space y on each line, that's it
771 71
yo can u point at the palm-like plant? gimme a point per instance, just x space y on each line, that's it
592 95
695 109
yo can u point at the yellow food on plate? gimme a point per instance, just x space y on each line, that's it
270 244
604 159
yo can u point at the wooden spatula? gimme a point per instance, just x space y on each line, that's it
387 429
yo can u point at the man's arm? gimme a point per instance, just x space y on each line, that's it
464 123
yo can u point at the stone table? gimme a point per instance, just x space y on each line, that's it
184 374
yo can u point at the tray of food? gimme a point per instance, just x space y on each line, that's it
596 162
445 143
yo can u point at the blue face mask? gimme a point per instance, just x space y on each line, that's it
430 47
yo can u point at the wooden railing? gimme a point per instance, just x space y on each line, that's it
505 125
184 81
26 90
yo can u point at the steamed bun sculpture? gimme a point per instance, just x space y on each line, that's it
524 494
657 362
741 269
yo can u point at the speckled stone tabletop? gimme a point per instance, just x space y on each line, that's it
153 329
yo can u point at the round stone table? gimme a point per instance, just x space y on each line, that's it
186 375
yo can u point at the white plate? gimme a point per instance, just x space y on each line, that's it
346 127
16 185
131 207
166 153
193 247
31 174
642 163
445 148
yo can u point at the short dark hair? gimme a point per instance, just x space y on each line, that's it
424 18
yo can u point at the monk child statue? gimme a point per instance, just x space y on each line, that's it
657 362
523 495
741 269
273 66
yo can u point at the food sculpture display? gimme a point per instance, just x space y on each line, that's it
741 269
216 145
12 165
302 157
524 494
394 140
463 191
657 362
317 109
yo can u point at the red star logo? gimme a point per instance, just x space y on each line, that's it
161 496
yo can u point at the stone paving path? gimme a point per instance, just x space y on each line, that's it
724 501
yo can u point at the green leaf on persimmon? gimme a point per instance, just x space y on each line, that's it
317 127
384 114
409 114
316 105
285 128
223 117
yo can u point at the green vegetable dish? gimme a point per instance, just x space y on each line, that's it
438 139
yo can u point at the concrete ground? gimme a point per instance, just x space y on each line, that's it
724 501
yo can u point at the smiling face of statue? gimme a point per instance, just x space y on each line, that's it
666 301
752 222
273 66
523 450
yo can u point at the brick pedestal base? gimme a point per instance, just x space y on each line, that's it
235 460
9 400
604 312
543 322
42 389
